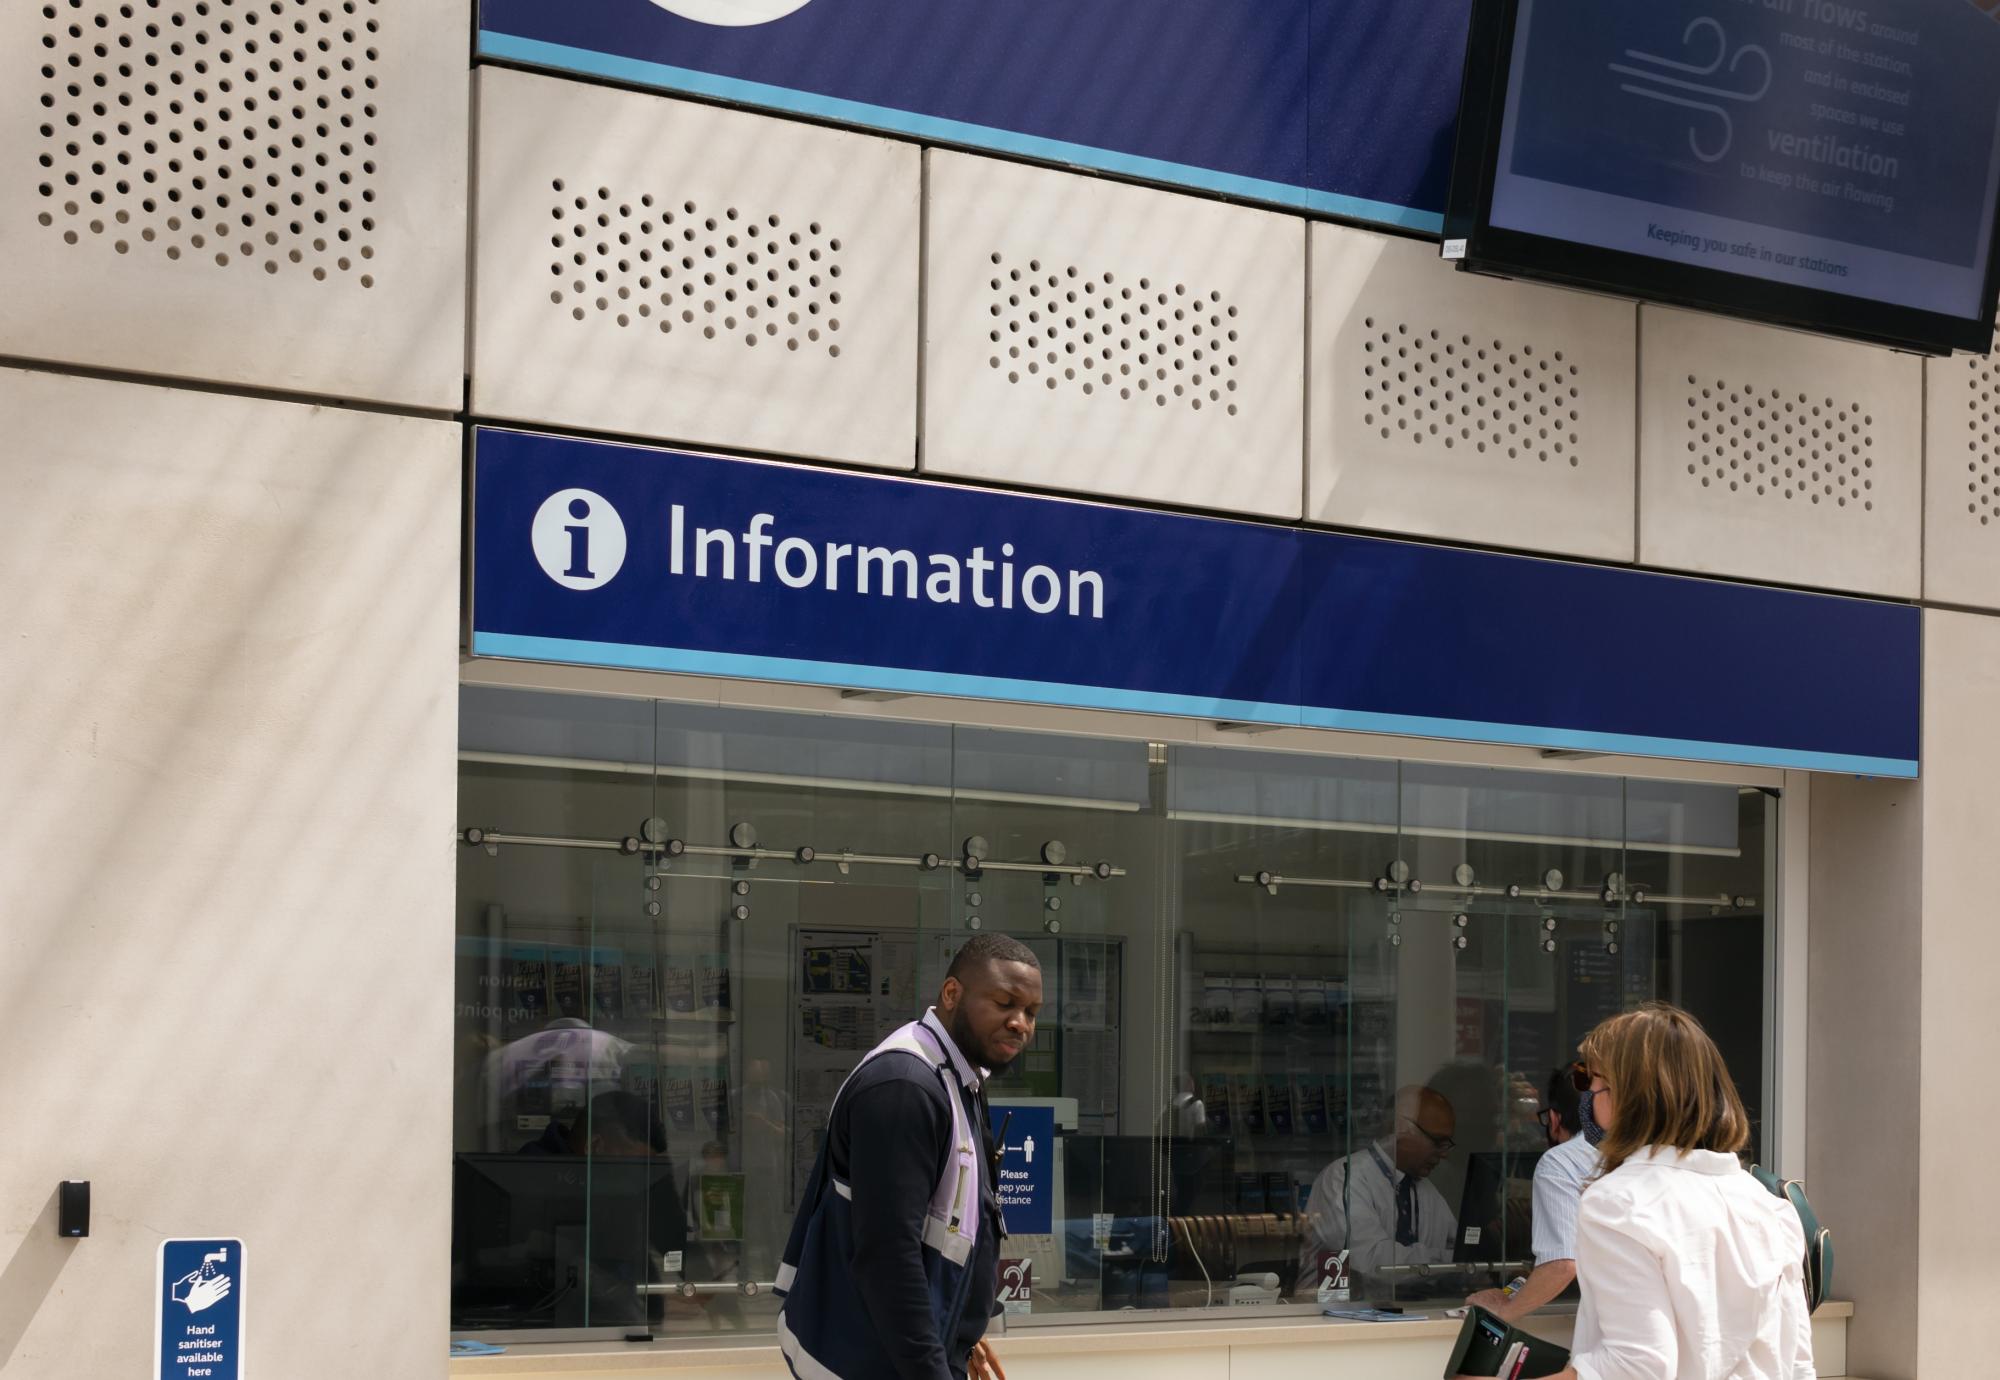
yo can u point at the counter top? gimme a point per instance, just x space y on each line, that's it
759 1352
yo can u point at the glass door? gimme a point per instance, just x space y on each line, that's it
1052 839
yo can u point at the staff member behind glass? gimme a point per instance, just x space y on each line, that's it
1690 1269
1378 1206
892 1270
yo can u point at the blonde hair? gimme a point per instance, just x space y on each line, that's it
1669 1086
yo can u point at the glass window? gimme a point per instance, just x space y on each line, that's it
1302 1011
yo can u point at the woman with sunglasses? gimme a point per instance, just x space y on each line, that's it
1690 1269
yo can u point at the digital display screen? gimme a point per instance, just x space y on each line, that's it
1849 147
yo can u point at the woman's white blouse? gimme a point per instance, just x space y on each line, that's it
1690 1270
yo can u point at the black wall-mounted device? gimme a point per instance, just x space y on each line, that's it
73 1208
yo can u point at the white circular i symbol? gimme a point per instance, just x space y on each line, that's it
734 13
579 539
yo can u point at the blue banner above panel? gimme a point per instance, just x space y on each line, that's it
1340 106
613 555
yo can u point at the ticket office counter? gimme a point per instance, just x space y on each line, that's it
688 903
680 925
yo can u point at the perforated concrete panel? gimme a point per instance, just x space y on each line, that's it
689 273
1085 335
1775 455
1962 488
1448 405
258 192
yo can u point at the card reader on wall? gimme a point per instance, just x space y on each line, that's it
73 1208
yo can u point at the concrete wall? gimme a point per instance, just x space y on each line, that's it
1864 1128
1960 1017
225 970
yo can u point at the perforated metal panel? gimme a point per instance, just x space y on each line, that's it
1962 486
694 274
260 192
1085 335
1775 455
1449 405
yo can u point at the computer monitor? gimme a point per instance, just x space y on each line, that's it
1495 1209
559 1240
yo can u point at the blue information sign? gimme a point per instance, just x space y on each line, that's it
615 555
1027 1179
1341 106
198 1310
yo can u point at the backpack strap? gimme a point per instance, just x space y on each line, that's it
1819 1241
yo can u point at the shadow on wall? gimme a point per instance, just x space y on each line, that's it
30 1276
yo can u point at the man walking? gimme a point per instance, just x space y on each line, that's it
893 1265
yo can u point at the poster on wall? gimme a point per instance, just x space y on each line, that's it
1089 994
1026 1178
198 1309
851 989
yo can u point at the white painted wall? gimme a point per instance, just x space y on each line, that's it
225 972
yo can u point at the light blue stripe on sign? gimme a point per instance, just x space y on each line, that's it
1624 744
510 48
843 675
850 677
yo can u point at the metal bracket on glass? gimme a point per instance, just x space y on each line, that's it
688 1289
1638 896
653 841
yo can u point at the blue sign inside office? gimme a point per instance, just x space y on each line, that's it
198 1308
1026 1181
1340 106
598 553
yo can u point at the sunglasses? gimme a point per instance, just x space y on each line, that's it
1580 1077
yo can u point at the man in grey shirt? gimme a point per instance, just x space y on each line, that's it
1559 1179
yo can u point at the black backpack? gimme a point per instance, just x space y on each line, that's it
1819 1241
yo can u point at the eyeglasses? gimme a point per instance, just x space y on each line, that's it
1544 1116
1443 1144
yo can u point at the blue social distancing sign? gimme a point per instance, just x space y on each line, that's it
1026 1181
198 1310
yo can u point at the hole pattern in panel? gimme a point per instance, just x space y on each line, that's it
1768 442
1982 442
228 131
1132 339
1423 385
718 273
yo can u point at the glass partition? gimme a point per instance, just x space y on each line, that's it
1301 1010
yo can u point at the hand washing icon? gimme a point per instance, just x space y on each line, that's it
203 1287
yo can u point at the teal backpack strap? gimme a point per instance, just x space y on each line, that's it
1819 1241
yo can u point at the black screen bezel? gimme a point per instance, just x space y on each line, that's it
1504 252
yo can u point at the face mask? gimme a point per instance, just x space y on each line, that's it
1592 1132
